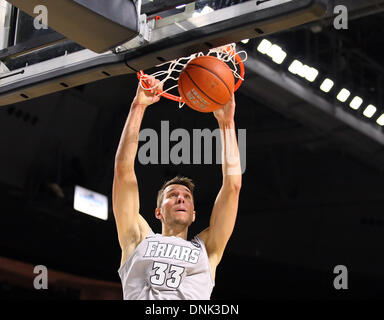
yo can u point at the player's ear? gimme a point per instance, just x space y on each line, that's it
194 216
158 213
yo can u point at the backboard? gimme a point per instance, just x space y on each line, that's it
49 61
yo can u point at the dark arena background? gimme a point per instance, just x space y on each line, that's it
310 214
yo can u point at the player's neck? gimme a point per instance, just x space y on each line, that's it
173 231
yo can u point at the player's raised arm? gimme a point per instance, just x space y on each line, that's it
223 216
131 226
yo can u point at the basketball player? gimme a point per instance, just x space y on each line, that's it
167 266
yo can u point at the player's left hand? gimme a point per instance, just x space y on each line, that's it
227 113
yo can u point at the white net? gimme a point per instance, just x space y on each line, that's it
225 53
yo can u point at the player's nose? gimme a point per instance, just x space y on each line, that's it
180 198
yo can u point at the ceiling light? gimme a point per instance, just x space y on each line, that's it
276 53
327 85
343 95
245 41
369 111
356 103
280 57
295 67
311 74
303 71
380 120
264 46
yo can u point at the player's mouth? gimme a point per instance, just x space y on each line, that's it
181 209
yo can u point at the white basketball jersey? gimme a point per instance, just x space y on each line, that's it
167 268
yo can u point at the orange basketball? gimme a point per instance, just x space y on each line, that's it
206 84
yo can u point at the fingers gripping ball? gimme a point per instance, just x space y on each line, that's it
206 84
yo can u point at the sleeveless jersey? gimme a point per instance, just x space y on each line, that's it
167 268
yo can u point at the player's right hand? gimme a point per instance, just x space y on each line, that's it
147 97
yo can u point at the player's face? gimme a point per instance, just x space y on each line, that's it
177 206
